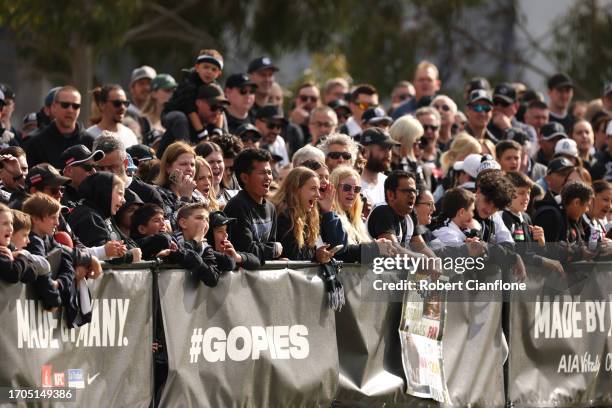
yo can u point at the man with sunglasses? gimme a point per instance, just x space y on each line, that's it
322 123
240 92
113 105
505 108
307 99
270 121
78 165
447 108
363 97
13 170
478 113
339 150
48 144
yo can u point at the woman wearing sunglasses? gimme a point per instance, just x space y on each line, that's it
112 103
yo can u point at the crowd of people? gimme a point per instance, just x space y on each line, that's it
217 178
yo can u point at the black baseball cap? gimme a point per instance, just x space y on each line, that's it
376 116
478 83
78 154
45 175
212 93
505 92
140 153
239 81
339 104
377 136
219 219
559 164
518 135
270 112
552 130
479 95
247 128
261 63
560 80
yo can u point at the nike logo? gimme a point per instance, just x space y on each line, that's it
90 379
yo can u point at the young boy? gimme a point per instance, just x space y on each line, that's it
44 212
207 68
458 210
149 231
43 284
524 233
193 223
509 153
14 266
217 237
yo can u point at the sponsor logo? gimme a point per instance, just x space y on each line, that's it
59 380
76 379
92 378
46 376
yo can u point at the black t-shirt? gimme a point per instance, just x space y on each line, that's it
233 123
384 220
567 121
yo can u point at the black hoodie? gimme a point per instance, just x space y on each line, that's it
92 221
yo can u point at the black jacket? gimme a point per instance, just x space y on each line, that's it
46 145
18 270
146 192
249 261
255 228
92 221
183 98
291 249
524 243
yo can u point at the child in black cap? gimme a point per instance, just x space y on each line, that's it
149 229
217 237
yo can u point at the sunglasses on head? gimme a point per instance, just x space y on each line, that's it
432 128
444 107
481 108
66 105
348 188
274 125
337 155
118 103
306 98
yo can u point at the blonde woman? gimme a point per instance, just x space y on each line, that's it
463 145
347 203
204 184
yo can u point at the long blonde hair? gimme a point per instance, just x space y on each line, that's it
351 219
462 145
171 154
304 222
201 163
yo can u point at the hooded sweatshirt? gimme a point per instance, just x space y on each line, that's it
92 221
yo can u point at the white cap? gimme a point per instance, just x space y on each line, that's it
487 165
609 128
142 72
470 164
567 146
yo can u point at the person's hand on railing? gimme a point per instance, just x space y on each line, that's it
115 249
537 234
136 255
95 268
554 266
322 255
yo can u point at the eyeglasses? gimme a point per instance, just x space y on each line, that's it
432 128
408 190
215 108
347 188
404 96
66 105
311 98
324 124
336 155
249 138
430 205
247 91
273 125
86 166
444 107
481 108
365 105
118 103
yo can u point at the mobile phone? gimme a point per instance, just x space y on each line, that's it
175 176
335 249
